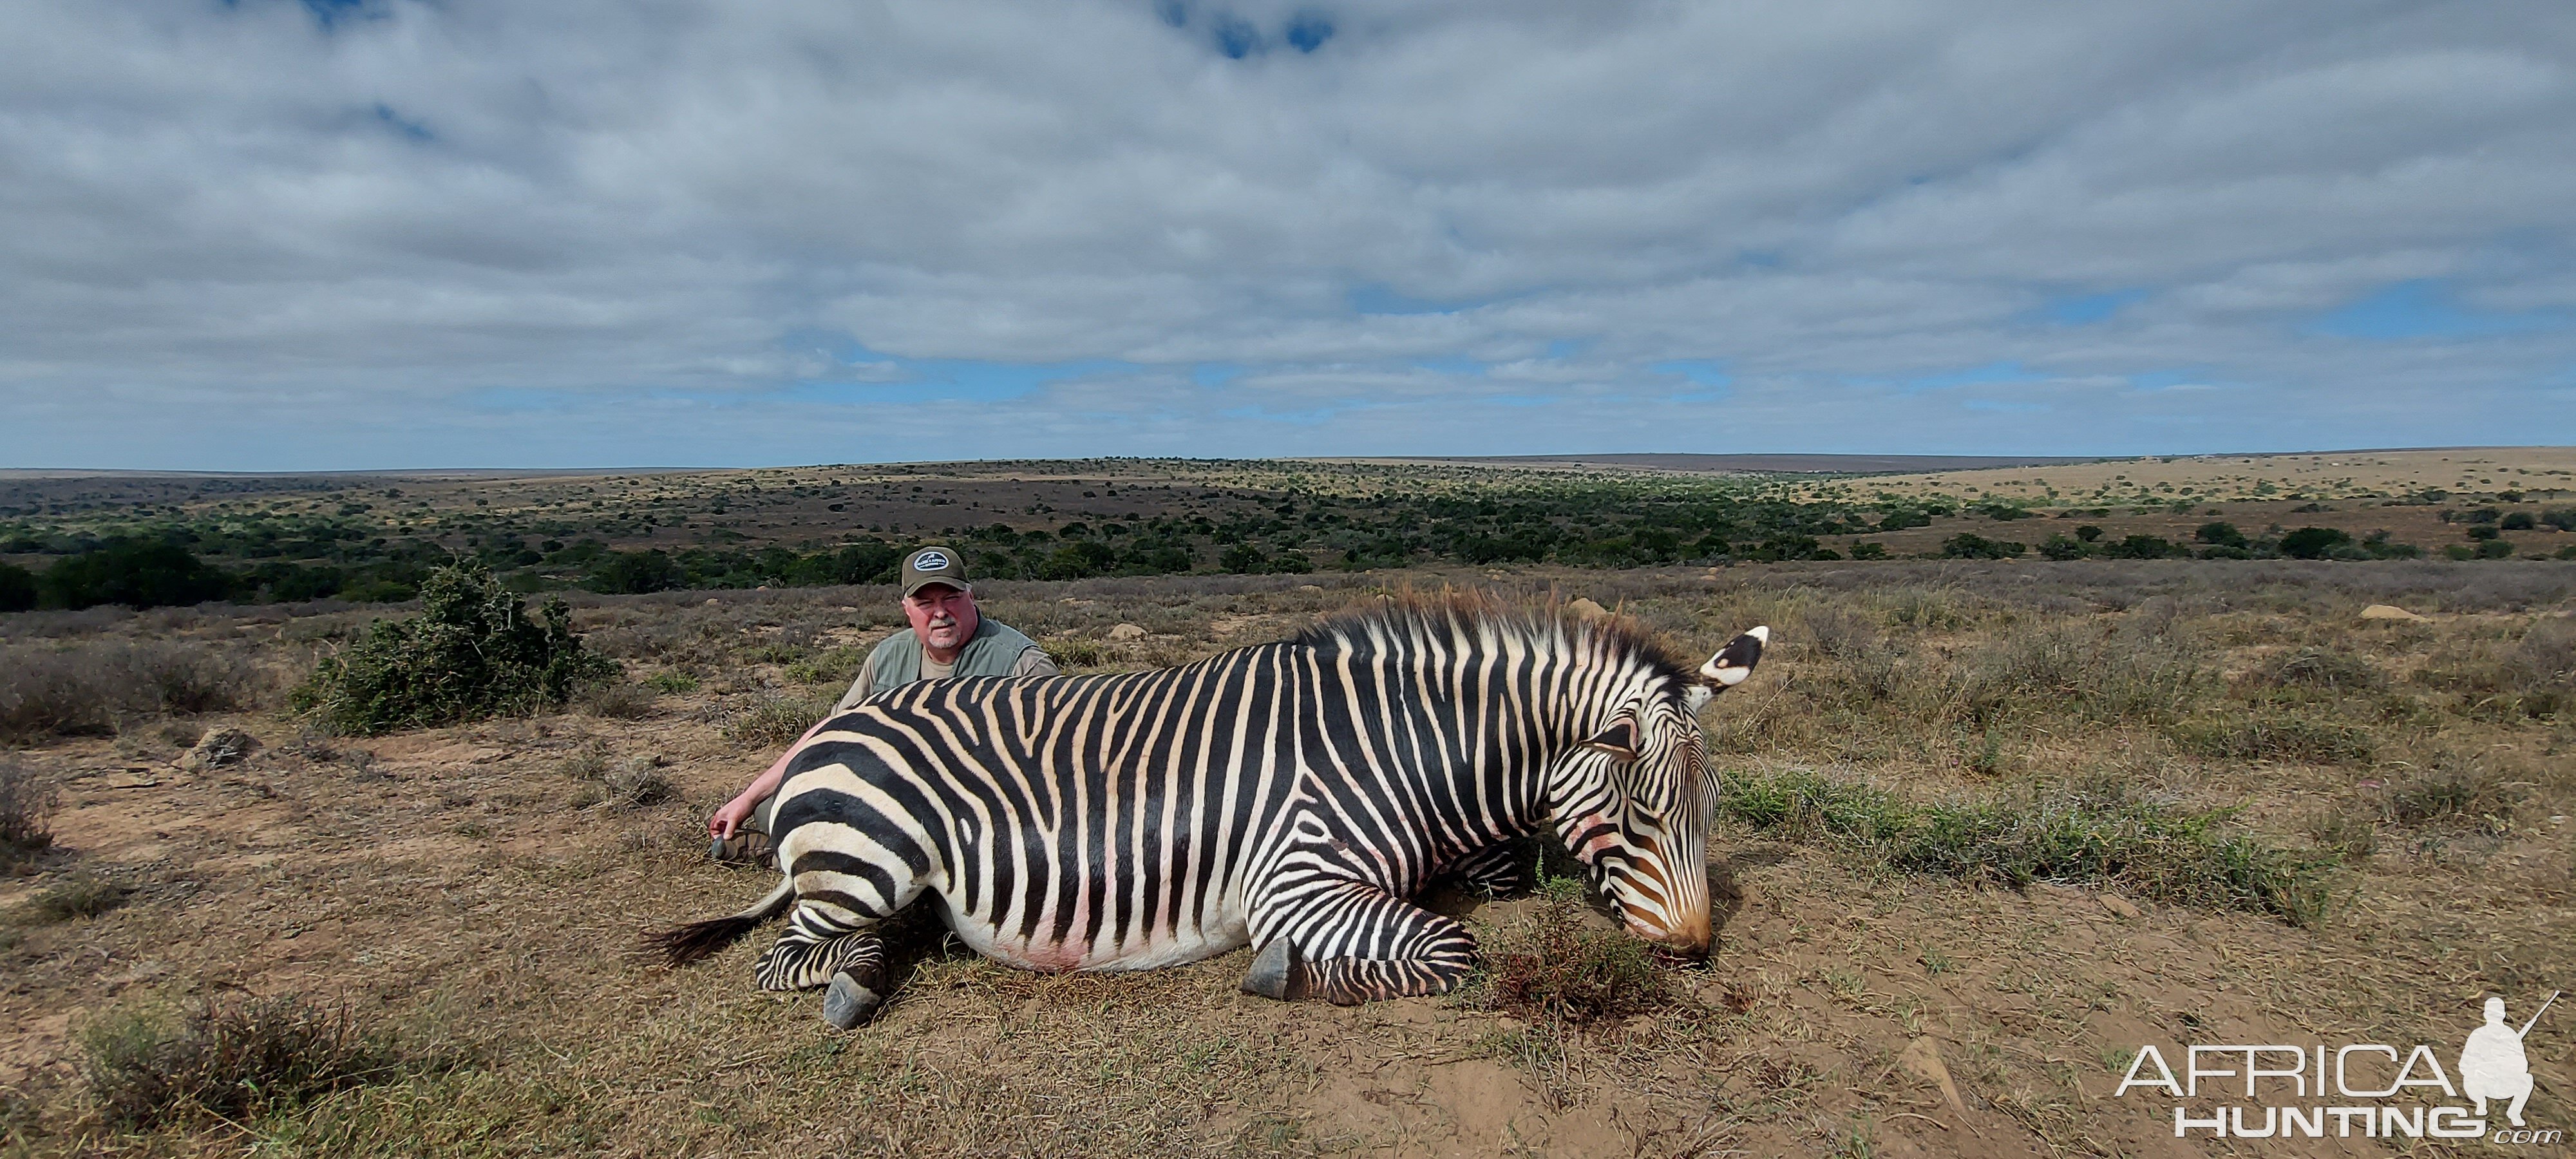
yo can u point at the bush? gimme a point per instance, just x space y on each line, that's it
17 588
636 572
2219 534
2313 542
233 1060
2517 521
472 652
92 688
1967 545
138 575
26 806
671 680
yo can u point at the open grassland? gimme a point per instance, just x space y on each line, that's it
1994 824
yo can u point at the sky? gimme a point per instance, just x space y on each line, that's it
321 234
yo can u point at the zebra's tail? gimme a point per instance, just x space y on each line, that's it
685 944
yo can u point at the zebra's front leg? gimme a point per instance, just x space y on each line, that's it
1348 942
822 948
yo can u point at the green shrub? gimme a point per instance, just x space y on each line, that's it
2220 534
233 1060
2453 790
17 588
2313 542
637 572
138 575
472 652
1968 545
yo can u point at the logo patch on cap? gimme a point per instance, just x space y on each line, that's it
931 560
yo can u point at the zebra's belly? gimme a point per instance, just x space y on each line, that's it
1144 950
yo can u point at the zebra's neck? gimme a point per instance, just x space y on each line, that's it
1507 695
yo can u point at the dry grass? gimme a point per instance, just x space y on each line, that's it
229 1060
27 805
2213 741
91 688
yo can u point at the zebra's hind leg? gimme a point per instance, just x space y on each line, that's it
1348 942
818 950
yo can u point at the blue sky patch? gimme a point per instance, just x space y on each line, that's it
2087 309
2424 308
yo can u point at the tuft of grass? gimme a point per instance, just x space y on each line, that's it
231 1060
636 784
1078 653
26 809
1555 966
82 896
2453 790
615 700
2145 848
776 720
2324 668
2277 736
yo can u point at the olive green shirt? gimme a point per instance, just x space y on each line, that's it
996 649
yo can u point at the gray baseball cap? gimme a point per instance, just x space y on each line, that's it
935 565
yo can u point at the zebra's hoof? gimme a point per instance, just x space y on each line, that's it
1270 969
847 1004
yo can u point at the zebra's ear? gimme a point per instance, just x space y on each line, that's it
1619 740
1735 661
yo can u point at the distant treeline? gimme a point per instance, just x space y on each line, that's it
1610 523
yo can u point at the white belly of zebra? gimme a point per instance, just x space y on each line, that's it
1158 948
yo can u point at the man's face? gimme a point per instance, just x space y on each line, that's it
942 616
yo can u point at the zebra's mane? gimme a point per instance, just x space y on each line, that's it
1462 616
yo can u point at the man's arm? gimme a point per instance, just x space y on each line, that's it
1034 661
730 816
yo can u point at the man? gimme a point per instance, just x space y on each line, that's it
948 638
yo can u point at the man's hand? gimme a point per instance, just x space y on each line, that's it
731 815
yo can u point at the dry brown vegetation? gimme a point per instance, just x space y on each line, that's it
2031 814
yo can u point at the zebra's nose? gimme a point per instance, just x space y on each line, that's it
1691 938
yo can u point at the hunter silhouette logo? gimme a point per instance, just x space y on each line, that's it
2288 1089
2493 1066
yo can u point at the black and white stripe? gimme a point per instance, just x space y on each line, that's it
1290 796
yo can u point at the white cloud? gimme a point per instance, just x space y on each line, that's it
661 220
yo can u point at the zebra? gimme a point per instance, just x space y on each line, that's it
1291 796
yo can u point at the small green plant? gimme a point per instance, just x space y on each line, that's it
232 1060
472 652
835 666
1556 966
672 681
